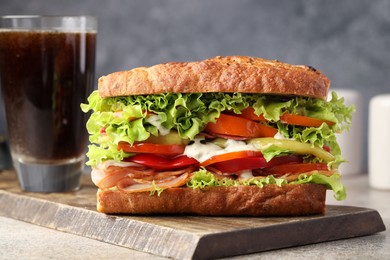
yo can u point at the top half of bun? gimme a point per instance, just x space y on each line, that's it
218 74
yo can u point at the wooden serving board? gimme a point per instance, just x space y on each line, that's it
180 237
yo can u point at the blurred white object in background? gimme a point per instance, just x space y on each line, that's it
351 142
379 142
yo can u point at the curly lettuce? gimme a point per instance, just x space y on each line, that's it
128 118
203 179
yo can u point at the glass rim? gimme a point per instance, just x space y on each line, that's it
83 23
29 16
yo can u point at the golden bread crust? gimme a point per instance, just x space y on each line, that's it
219 74
271 200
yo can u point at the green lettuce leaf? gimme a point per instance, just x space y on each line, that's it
126 118
188 114
321 136
331 182
273 151
324 135
203 179
334 110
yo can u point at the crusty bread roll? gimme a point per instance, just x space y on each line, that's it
271 200
219 74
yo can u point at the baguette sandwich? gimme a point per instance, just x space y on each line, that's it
224 136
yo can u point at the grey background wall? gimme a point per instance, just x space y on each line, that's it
348 40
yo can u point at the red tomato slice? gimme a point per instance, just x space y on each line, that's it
231 156
249 113
303 120
238 126
165 149
240 164
295 168
284 160
162 163
251 163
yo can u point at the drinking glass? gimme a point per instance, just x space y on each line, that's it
47 66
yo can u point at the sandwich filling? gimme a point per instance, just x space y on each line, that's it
143 143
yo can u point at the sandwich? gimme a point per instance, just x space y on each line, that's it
230 135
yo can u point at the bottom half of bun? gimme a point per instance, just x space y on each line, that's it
271 200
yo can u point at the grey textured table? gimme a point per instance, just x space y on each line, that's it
20 240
